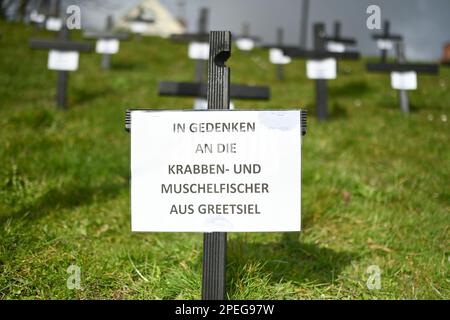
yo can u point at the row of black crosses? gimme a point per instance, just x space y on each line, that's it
400 68
324 49
50 19
63 45
319 53
198 88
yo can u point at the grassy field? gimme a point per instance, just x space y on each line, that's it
375 185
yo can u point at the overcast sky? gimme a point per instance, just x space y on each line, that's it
425 24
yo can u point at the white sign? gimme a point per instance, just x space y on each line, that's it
276 56
202 104
138 27
107 46
63 60
384 44
245 44
321 69
53 24
206 171
198 50
335 46
404 80
37 17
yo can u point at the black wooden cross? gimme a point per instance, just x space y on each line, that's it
36 16
338 43
61 45
401 69
280 36
245 41
304 23
200 37
320 53
107 36
386 40
53 19
218 95
276 54
198 88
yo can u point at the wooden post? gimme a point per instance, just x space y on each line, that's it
106 58
280 35
62 43
304 24
202 29
386 32
218 96
321 84
337 29
245 30
63 76
403 94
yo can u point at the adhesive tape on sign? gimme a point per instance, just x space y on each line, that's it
384 44
63 60
276 56
321 69
245 44
107 46
53 24
335 47
202 104
404 80
198 51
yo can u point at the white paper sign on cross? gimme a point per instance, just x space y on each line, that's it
404 80
198 50
385 44
333 46
245 44
53 24
208 171
325 69
276 56
63 60
107 46
37 17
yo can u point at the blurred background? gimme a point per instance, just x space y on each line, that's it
423 23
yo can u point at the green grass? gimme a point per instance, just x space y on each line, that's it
375 185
